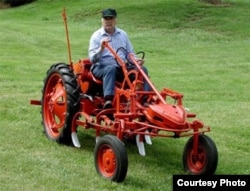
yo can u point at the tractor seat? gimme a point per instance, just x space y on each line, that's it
86 61
96 80
87 78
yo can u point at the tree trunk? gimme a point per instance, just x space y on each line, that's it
214 2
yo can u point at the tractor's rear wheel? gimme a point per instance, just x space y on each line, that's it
111 160
60 101
204 162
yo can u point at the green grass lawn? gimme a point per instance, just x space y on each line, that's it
199 50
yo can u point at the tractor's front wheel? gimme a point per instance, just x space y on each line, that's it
60 101
111 160
204 162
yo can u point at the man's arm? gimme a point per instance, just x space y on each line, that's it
95 49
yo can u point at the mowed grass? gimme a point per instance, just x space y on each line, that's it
199 50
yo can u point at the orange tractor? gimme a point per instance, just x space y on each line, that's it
72 98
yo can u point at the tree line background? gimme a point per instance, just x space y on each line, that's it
14 3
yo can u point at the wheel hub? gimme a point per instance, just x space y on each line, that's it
108 161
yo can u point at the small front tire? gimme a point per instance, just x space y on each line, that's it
111 160
206 159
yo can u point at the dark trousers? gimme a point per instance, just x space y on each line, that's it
109 74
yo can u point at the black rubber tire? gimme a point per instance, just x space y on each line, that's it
113 146
206 162
59 75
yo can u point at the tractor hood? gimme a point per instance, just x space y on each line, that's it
172 116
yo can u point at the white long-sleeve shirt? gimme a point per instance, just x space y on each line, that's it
117 40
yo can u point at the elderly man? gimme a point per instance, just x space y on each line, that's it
104 65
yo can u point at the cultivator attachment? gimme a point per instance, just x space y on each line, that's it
140 143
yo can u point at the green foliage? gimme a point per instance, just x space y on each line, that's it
197 49
15 3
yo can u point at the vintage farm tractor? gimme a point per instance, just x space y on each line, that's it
72 97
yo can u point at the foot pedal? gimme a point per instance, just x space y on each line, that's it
140 146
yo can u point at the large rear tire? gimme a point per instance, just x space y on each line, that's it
60 101
205 162
111 160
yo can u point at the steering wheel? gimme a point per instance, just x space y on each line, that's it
141 52
128 62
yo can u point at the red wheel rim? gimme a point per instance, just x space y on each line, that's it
197 162
106 161
54 105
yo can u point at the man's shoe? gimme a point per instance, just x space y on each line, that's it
107 104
